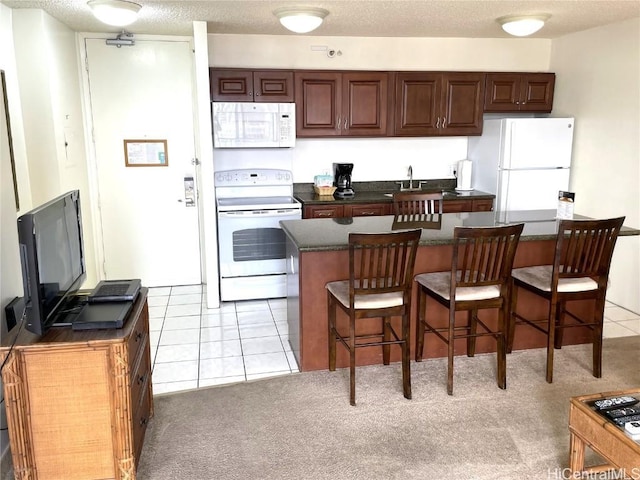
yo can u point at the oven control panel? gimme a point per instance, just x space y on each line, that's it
250 177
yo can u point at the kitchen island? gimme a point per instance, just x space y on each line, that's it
317 253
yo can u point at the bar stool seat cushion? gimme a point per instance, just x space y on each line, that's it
440 283
340 290
540 277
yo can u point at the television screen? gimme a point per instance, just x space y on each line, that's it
52 256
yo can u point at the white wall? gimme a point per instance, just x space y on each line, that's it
368 53
378 159
598 81
10 275
51 101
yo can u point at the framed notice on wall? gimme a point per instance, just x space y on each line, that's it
145 153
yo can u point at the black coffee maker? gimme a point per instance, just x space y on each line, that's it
342 180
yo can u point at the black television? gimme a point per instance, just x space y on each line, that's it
52 258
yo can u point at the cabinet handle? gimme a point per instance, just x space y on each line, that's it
438 123
325 214
258 94
444 122
140 379
143 421
338 122
345 124
138 336
250 94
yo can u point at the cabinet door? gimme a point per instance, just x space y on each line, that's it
417 103
502 92
323 211
364 103
484 205
462 108
456 206
318 101
273 86
367 210
536 92
231 85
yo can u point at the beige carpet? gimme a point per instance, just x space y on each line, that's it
301 426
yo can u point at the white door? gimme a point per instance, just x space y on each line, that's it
530 189
144 92
538 143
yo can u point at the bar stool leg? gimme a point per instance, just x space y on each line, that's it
450 351
422 306
472 322
551 333
331 307
406 365
352 361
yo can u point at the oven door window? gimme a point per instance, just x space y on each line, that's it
253 244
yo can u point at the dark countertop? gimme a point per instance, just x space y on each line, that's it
322 234
380 192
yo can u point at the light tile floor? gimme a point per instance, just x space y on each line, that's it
192 346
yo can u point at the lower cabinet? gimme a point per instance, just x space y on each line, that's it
368 209
470 205
323 211
78 402
373 209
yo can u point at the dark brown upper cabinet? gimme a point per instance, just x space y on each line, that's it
438 103
519 92
330 104
239 85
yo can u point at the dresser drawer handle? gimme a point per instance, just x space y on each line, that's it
138 336
143 421
140 379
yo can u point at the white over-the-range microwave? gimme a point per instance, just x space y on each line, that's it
253 125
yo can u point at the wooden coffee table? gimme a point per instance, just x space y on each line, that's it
589 428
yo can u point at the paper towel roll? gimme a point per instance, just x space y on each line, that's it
464 175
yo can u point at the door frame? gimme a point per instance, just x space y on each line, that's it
203 146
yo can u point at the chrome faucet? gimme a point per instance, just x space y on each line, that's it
410 187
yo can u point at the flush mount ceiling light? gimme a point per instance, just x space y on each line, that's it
301 20
115 12
523 25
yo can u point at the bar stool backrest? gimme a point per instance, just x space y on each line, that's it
382 263
483 256
584 249
417 203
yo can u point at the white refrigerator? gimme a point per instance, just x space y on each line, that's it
525 162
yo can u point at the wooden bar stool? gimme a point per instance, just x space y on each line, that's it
480 278
379 285
580 271
414 205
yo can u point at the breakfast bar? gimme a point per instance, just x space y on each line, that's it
317 253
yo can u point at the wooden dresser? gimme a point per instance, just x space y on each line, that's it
78 402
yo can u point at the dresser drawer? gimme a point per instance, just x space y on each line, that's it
140 376
140 420
138 339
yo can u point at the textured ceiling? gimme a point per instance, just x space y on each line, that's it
372 18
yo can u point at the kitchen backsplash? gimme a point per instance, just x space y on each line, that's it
378 159
374 159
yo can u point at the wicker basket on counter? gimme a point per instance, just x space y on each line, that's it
324 191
